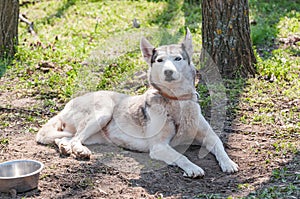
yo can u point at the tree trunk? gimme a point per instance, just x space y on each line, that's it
9 15
226 37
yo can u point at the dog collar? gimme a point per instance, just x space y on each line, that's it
190 96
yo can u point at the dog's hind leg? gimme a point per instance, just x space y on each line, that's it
91 130
214 145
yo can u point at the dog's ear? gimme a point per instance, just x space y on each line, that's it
187 42
147 50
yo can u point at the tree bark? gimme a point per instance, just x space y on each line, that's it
226 37
9 15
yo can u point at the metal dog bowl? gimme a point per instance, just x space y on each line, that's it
19 175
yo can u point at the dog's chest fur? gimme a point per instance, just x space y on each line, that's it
140 121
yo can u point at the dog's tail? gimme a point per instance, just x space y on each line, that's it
52 130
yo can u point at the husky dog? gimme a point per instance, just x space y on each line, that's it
167 114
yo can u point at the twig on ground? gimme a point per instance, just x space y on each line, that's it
30 24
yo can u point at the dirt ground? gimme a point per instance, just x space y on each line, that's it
113 172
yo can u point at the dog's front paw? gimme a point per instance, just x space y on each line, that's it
193 171
229 166
80 151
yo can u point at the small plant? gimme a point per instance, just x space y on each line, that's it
245 186
279 173
4 141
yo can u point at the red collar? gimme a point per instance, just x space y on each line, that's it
190 96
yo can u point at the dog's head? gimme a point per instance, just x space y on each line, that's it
171 69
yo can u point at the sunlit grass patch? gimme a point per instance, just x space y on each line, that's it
268 17
289 24
280 65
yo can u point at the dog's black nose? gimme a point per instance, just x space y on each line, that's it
168 73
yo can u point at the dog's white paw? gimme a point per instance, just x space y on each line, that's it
64 146
229 166
80 151
193 171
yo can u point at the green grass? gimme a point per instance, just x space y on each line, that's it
280 65
265 34
273 19
51 68
70 31
285 189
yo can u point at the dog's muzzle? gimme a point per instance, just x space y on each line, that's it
170 72
169 75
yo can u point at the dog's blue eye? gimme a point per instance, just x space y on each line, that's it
177 58
159 60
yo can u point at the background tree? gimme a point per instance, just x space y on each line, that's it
9 14
226 37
